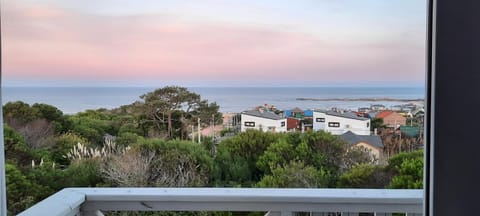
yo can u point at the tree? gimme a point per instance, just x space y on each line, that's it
377 123
18 197
19 113
162 103
296 175
242 151
53 115
92 125
17 152
407 170
63 144
364 176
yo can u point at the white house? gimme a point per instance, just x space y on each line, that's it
263 120
338 123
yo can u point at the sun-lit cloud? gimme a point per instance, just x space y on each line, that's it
50 41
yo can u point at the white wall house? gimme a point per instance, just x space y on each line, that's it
339 123
263 120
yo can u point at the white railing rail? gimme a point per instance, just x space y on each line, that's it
94 201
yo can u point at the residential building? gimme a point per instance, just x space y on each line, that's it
392 119
364 109
411 131
338 123
263 120
293 124
371 142
377 107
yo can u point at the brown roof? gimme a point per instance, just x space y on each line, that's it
384 114
297 110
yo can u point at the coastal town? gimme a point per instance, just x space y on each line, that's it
174 138
383 130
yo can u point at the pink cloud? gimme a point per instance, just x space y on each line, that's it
58 43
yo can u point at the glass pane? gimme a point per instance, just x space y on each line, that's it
282 94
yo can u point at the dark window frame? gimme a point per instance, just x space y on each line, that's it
334 124
249 124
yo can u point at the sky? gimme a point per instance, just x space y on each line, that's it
213 42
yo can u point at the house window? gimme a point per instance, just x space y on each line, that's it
320 120
283 124
249 124
334 124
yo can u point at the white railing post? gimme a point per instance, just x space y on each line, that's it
92 213
349 214
383 214
286 213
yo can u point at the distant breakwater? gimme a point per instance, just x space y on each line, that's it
362 99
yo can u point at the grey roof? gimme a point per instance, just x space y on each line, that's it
373 114
352 139
264 114
349 115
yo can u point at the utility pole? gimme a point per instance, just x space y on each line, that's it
193 133
213 126
400 143
199 130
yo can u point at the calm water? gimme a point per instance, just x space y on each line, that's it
76 99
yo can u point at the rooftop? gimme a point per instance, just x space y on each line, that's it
352 139
264 114
350 115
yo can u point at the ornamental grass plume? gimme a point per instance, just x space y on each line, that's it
82 152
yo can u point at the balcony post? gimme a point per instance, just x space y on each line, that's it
92 213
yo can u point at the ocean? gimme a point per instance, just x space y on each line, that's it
231 99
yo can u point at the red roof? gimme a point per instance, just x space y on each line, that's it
383 114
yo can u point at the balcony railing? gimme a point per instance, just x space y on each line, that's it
283 202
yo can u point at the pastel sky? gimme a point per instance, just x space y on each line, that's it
213 42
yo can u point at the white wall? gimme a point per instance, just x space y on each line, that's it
319 125
359 127
263 124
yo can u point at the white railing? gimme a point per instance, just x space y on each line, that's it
319 202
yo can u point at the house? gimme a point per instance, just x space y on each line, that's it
410 131
295 113
364 109
263 120
293 124
392 119
308 113
338 123
377 107
372 114
371 142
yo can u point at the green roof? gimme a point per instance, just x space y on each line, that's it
411 131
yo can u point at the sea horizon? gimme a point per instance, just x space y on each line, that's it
74 99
